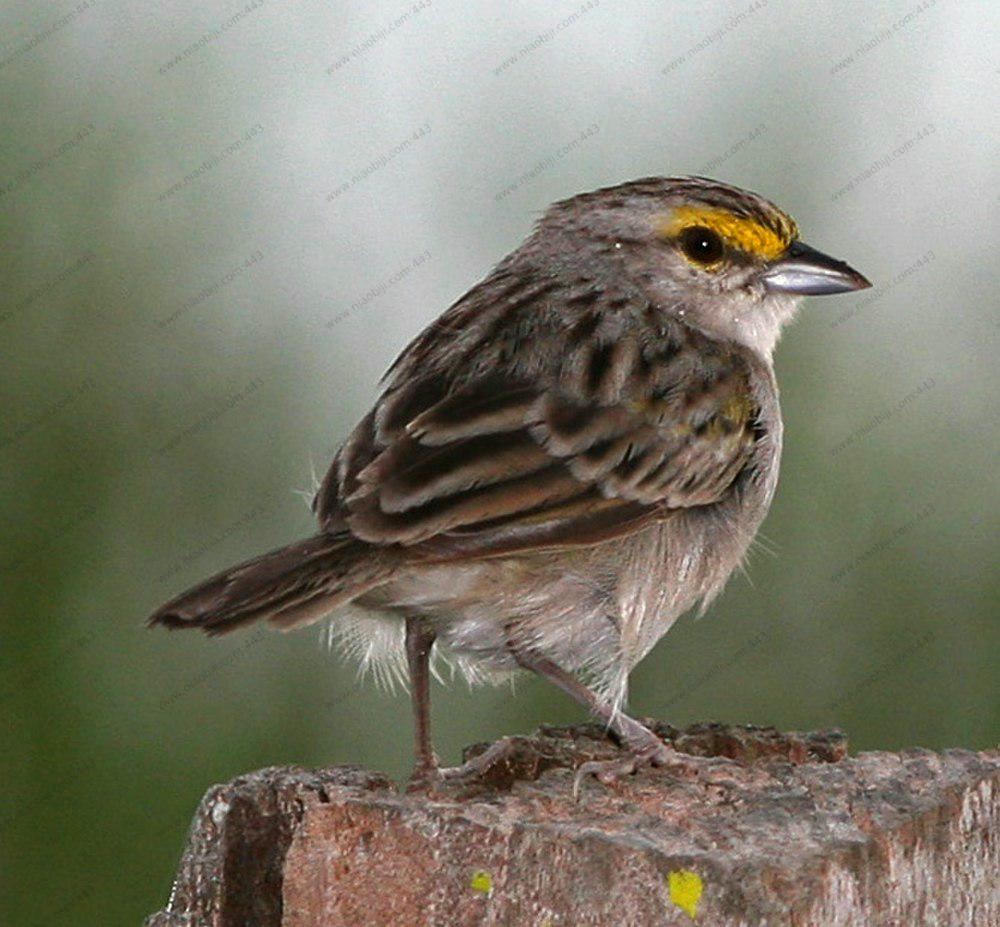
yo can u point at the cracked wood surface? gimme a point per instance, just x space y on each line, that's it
764 828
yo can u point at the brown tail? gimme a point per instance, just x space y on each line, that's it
291 586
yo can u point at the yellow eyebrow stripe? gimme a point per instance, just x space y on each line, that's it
736 231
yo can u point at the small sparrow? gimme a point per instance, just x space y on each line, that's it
577 452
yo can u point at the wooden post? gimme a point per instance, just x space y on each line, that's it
787 831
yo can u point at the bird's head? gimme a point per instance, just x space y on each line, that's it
726 260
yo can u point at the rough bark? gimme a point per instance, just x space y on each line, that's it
762 828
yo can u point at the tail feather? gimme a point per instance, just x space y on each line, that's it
291 586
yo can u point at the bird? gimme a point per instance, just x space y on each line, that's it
577 452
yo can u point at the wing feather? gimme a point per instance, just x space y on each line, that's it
625 426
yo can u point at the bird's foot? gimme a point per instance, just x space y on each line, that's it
650 753
425 779
503 753
497 764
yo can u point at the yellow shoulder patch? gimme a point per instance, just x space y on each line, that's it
736 231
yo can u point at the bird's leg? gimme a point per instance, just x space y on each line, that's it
419 640
646 748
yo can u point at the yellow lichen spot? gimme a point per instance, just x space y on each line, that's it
738 232
685 890
481 882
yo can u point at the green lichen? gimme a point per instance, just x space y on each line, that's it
685 890
481 882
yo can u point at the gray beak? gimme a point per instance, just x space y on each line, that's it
804 271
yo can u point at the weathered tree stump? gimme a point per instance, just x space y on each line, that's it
787 831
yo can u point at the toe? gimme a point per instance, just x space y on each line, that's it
607 772
424 779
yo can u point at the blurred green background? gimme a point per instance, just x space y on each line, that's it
220 223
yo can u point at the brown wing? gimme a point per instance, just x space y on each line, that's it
623 427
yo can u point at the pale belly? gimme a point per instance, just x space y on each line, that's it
595 611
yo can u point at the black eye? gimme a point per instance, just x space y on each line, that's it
701 244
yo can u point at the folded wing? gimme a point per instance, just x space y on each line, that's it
622 430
